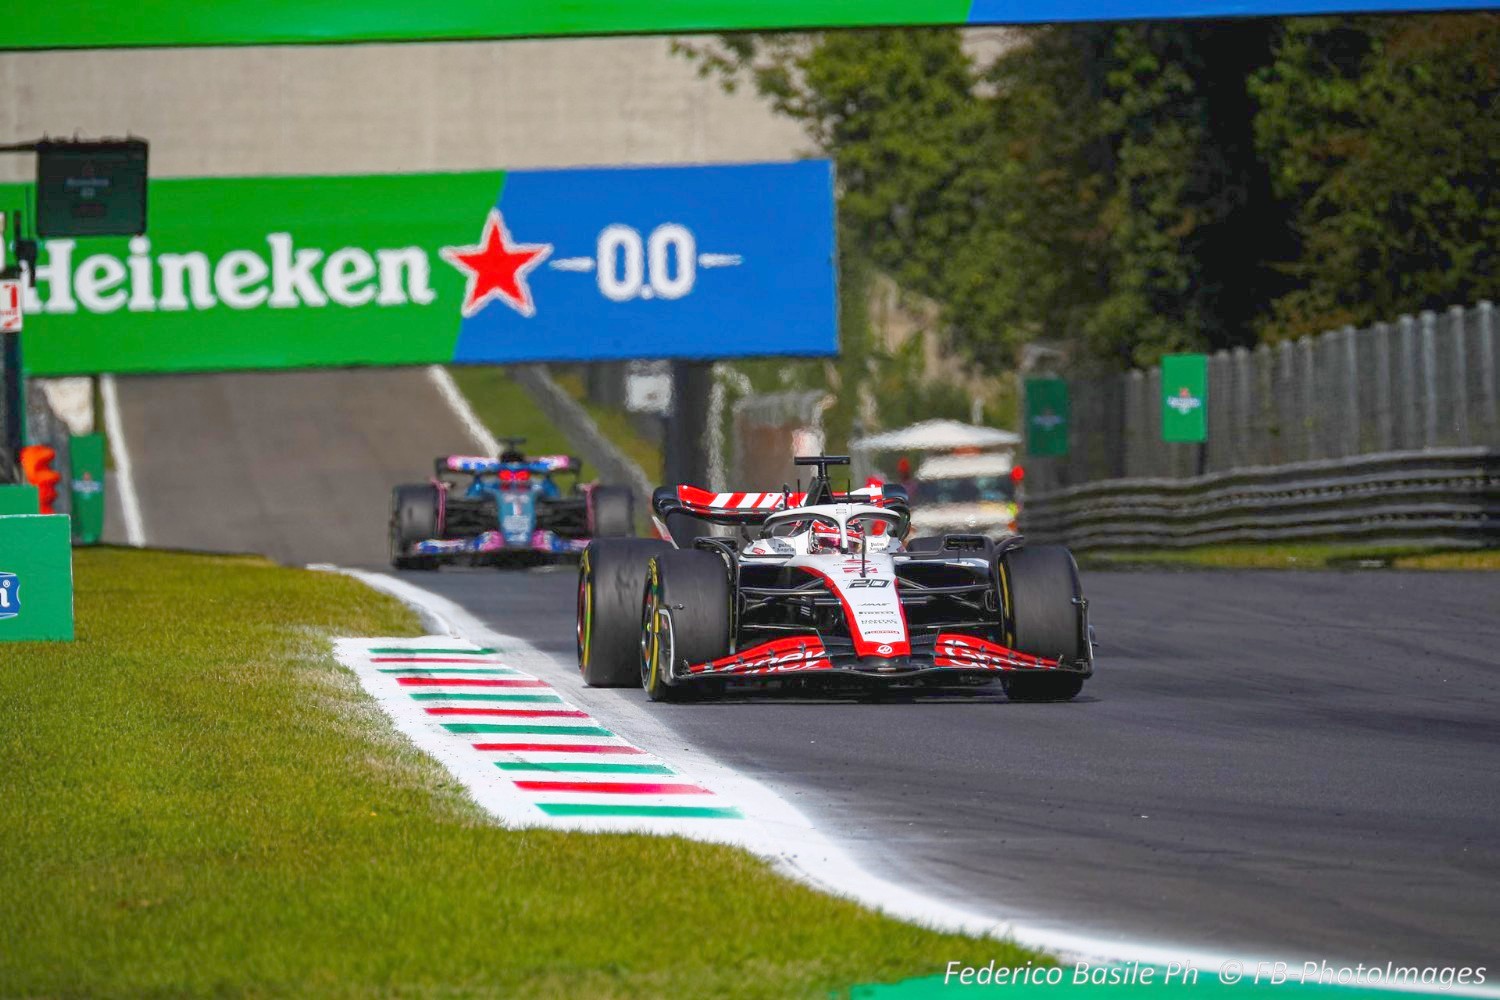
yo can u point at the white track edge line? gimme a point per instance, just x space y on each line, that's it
836 872
114 427
459 404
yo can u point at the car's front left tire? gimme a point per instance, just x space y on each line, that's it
1043 615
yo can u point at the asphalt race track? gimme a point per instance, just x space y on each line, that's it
295 465
1297 765
1305 764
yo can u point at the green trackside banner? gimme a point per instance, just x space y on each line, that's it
86 458
19 499
1184 397
36 578
112 24
1047 417
481 268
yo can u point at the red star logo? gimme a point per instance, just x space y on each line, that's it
497 268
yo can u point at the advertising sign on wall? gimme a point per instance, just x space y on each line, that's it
490 267
1184 397
1047 417
36 578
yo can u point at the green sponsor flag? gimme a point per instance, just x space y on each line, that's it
86 454
36 578
1047 416
1184 397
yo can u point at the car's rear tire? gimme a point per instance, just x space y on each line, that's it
414 518
611 576
611 512
1040 594
692 588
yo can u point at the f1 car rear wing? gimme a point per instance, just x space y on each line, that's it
479 465
754 508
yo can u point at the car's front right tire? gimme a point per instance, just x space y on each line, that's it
685 619
611 575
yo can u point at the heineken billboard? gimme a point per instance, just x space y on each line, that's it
1184 397
1048 410
485 267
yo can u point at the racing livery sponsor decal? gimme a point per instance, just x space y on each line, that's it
525 752
970 652
872 607
479 267
794 654
10 595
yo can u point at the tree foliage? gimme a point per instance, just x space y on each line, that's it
1128 190
1385 135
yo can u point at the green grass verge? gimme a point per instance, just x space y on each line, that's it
1292 557
614 425
507 410
198 800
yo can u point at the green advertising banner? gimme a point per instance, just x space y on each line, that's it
86 456
19 499
36 578
222 279
1047 417
484 267
104 24
1184 397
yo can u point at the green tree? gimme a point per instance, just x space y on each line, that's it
1385 133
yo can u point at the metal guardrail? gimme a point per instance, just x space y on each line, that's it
1424 382
1446 497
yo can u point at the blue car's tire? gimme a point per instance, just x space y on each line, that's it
414 518
611 512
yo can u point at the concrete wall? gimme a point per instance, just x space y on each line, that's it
377 108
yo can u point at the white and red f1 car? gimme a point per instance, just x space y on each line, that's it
820 589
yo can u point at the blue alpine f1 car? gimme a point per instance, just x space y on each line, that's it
505 511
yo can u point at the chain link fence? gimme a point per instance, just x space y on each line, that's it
1419 383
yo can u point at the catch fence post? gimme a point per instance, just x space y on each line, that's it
1347 337
1459 343
1429 379
1408 376
1309 401
1385 409
1247 428
1486 313
1285 394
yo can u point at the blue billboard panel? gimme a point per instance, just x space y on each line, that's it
681 262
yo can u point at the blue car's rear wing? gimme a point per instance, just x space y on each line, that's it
479 465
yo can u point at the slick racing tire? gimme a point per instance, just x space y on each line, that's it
611 576
611 512
414 518
684 619
1039 587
